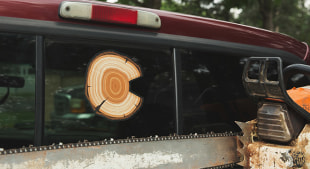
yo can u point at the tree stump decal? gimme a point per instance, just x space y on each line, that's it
107 85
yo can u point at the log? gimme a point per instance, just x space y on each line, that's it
107 85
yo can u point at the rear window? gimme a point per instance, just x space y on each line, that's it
69 116
210 94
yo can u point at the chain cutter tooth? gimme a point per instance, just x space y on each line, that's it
245 139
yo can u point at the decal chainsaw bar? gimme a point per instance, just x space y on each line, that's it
174 151
110 141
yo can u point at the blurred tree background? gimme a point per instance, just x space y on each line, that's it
291 17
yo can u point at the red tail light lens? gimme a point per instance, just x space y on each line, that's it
114 15
108 14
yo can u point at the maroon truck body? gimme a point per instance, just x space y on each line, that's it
172 23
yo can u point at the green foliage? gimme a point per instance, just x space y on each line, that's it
171 5
289 17
286 16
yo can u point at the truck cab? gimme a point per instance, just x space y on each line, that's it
189 72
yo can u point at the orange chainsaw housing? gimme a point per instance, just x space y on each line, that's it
301 96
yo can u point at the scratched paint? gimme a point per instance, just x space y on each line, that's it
267 156
303 144
113 160
107 160
263 155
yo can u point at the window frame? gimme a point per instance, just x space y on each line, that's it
39 92
42 29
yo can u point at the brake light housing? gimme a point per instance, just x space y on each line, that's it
108 14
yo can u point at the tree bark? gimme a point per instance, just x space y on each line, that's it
155 4
266 11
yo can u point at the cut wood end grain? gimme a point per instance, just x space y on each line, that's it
107 85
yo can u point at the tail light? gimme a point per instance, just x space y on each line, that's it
108 14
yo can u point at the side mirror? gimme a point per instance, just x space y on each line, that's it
10 82
279 117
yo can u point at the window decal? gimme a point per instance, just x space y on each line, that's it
107 85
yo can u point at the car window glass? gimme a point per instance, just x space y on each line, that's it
213 96
70 117
17 90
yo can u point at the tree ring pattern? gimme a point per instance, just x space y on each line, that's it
107 85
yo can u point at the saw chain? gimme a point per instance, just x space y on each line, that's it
86 143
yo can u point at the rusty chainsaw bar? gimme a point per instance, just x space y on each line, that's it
211 150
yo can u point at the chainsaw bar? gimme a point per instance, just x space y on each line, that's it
174 151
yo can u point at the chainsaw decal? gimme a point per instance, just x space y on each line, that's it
298 159
107 85
300 96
